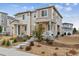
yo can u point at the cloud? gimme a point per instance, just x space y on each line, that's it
25 7
14 5
68 8
75 4
59 7
72 4
32 8
50 4
67 4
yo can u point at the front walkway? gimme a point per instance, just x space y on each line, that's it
13 52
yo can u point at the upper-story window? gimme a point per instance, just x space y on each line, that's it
23 17
44 13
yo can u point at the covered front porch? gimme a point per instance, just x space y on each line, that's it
47 26
20 29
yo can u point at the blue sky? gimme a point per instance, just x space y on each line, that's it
70 12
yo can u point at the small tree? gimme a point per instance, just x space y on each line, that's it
74 31
0 29
38 32
14 40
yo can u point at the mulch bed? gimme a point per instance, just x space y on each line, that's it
57 44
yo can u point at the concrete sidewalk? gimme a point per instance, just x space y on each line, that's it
13 52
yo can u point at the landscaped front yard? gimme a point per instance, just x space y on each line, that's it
9 41
60 47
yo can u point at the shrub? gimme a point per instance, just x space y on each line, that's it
65 33
28 37
62 35
24 39
69 34
3 42
6 34
47 40
14 40
55 54
38 45
50 42
31 43
73 52
19 39
56 48
0 29
8 43
43 52
28 48
74 31
58 33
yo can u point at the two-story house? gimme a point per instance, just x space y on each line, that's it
67 28
5 23
49 18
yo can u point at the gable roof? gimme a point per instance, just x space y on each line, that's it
10 17
68 23
40 9
22 13
4 13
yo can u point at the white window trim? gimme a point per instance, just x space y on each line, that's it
44 10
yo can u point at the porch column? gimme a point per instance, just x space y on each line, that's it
2 29
21 30
17 29
50 25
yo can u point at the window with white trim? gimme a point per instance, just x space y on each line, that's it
44 12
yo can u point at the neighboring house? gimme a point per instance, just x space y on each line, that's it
49 18
67 28
9 29
5 23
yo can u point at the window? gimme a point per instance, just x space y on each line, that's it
44 13
23 17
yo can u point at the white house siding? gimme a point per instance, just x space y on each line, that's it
58 21
31 21
67 28
9 27
3 21
26 20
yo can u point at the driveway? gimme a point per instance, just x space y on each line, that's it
13 52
